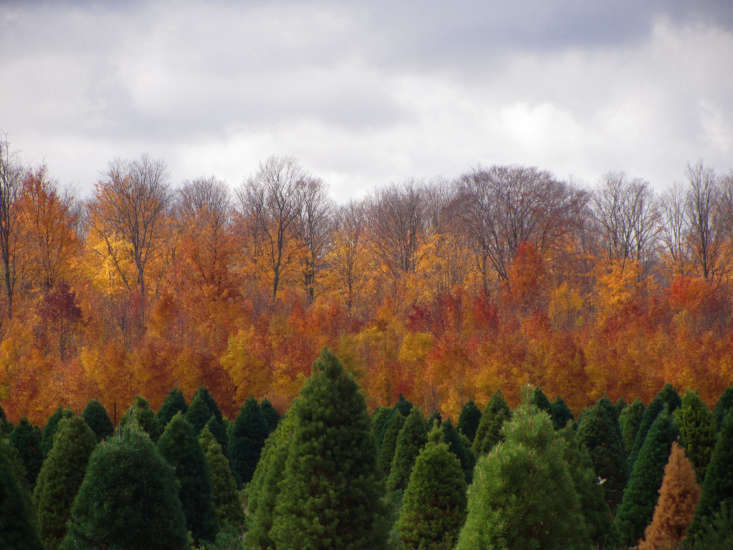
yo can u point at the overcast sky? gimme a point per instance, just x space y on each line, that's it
363 94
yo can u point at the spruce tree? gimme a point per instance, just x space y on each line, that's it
523 495
489 432
641 493
722 407
198 412
459 446
539 400
211 403
18 529
49 430
96 417
629 420
270 414
174 402
389 442
224 495
715 534
330 494
144 416
667 396
380 418
27 440
247 438
218 428
599 431
129 496
561 414
434 504
469 419
697 431
676 505
403 405
5 426
410 441
180 447
60 477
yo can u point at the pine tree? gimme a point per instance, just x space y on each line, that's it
5 426
489 432
223 485
641 492
715 534
667 396
523 495
60 478
676 505
18 530
144 416
247 438
26 438
561 414
469 419
389 442
434 505
599 431
174 402
380 418
270 414
129 495
49 430
410 441
629 420
330 493
96 417
220 431
180 447
723 406
198 412
697 431
403 405
459 445
539 400
211 403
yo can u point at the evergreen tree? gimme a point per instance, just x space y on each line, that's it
220 431
722 407
461 447
523 495
561 414
5 426
469 419
129 496
330 493
204 394
620 406
18 529
96 417
144 416
174 402
403 405
49 430
717 533
270 414
410 441
676 505
248 436
640 495
600 433
26 438
198 412
380 418
180 447
223 485
60 477
489 432
717 488
434 505
667 396
539 400
697 431
389 442
629 420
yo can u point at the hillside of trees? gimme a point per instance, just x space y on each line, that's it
443 291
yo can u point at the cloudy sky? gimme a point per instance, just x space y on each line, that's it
368 93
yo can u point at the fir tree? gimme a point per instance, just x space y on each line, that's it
459 446
403 405
676 505
722 407
223 485
330 493
129 495
180 447
667 396
380 418
49 430
18 530
599 431
5 426
697 431
489 432
26 438
144 416
561 414
198 412
60 477
96 417
174 402
629 420
410 441
389 442
270 414
715 534
539 400
469 419
220 431
434 505
204 394
247 438
641 493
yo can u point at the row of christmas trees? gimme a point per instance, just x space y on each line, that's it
329 476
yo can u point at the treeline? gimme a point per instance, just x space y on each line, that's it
442 291
329 475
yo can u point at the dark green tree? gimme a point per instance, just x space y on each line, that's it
180 447
667 396
247 438
270 414
204 394
380 418
561 414
220 431
715 534
468 420
60 478
198 412
620 405
489 432
389 442
629 420
18 529
174 402
330 494
642 491
144 416
434 505
26 438
539 400
599 431
129 496
223 485
5 426
410 441
96 417
49 430
403 405
722 407
697 431
459 446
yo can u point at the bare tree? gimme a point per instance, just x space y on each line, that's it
674 226
315 230
11 176
350 228
704 216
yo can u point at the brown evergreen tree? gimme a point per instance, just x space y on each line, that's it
675 509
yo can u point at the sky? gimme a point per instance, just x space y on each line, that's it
364 94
